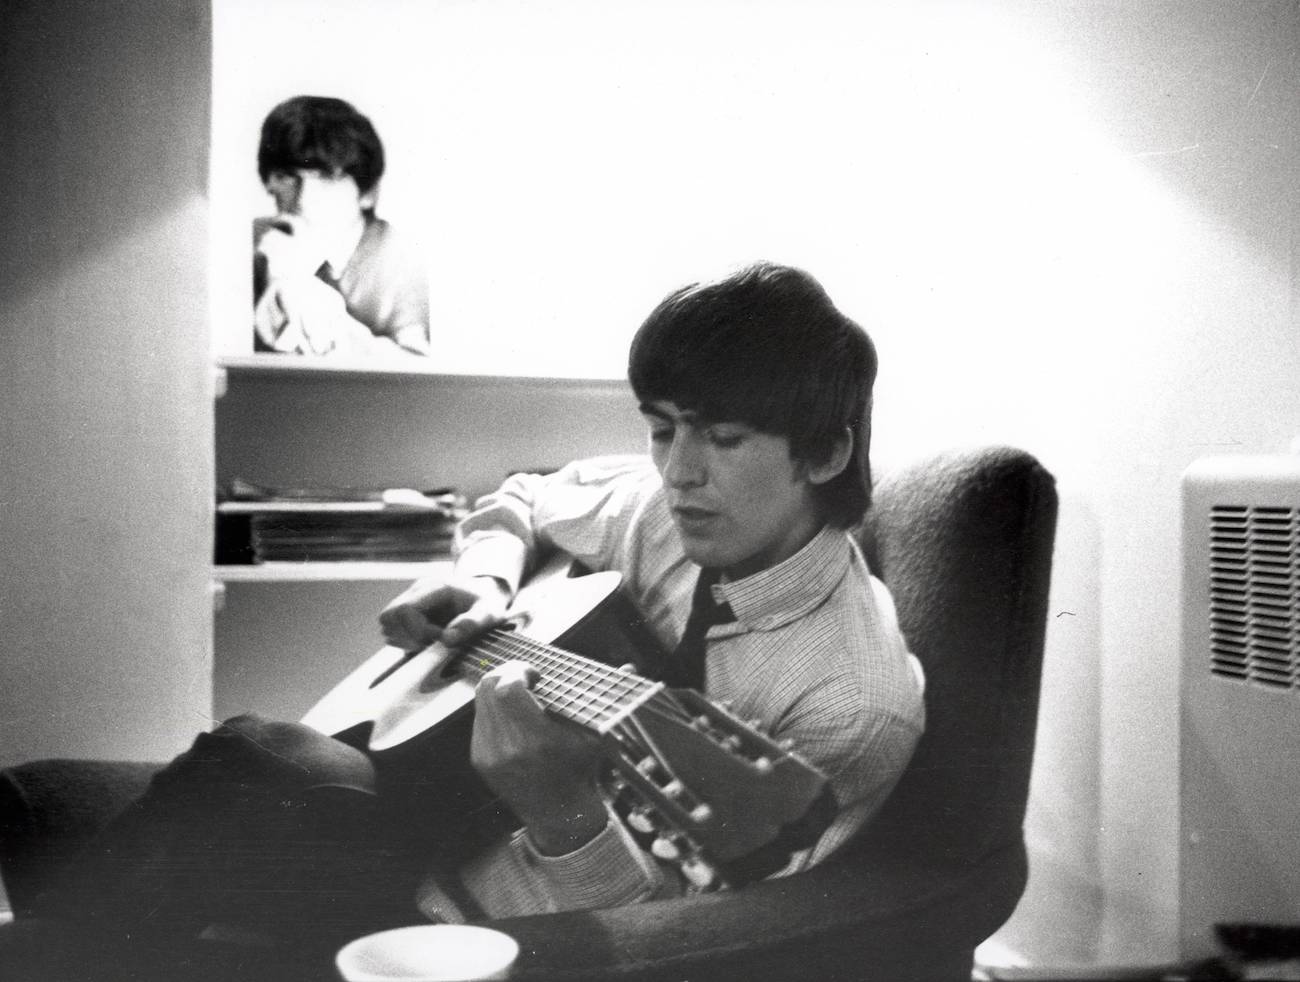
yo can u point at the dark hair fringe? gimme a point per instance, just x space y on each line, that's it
311 132
767 347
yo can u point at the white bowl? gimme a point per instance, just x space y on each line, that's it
428 953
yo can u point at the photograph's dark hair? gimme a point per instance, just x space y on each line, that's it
767 347
313 132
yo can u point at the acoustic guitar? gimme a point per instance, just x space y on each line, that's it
702 788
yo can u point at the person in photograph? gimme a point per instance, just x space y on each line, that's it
329 275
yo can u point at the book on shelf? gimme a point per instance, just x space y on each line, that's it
258 524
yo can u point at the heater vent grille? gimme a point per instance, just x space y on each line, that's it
1255 594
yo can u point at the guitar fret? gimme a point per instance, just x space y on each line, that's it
584 690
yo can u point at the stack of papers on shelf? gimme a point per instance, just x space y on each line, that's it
342 524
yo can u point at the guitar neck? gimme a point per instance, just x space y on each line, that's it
582 690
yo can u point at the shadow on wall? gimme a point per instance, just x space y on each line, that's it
1059 919
71 130
1217 122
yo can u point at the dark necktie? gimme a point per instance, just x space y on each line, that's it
684 668
326 275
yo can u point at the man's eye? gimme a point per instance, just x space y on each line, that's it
726 438
660 435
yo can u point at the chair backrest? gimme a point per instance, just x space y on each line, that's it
964 541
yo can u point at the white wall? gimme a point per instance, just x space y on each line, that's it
105 390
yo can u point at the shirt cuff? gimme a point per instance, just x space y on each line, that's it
608 871
493 553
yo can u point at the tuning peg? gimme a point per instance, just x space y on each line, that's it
731 742
698 872
787 744
756 724
640 820
647 765
701 722
665 848
701 814
674 788
763 765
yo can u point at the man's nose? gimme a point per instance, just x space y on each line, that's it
684 466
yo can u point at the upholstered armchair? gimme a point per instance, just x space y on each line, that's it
964 540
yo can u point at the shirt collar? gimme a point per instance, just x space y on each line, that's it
782 593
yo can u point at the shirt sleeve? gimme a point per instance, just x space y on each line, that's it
608 871
861 775
862 737
584 509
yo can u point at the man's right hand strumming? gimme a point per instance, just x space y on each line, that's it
453 611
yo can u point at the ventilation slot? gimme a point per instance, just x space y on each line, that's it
1255 594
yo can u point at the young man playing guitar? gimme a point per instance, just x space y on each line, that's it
733 542
757 394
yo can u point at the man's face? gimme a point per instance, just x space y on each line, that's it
739 502
329 204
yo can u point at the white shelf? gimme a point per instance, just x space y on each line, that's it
394 366
327 572
413 366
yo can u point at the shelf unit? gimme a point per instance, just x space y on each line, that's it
285 633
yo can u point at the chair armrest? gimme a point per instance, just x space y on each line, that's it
49 811
839 920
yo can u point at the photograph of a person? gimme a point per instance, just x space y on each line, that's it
329 275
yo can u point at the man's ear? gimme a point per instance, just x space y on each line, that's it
835 463
370 199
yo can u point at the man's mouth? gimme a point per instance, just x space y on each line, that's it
691 516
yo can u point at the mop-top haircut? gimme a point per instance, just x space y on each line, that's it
766 347
312 132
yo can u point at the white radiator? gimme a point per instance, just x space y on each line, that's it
1240 689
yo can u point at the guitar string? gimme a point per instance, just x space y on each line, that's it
570 663
627 732
503 643
582 687
578 690
572 666
578 661
503 646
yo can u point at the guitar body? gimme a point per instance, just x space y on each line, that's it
395 699
696 785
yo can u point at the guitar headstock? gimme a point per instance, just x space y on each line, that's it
710 787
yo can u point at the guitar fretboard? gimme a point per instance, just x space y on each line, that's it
588 692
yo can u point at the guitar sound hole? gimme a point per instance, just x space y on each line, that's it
450 668
406 656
